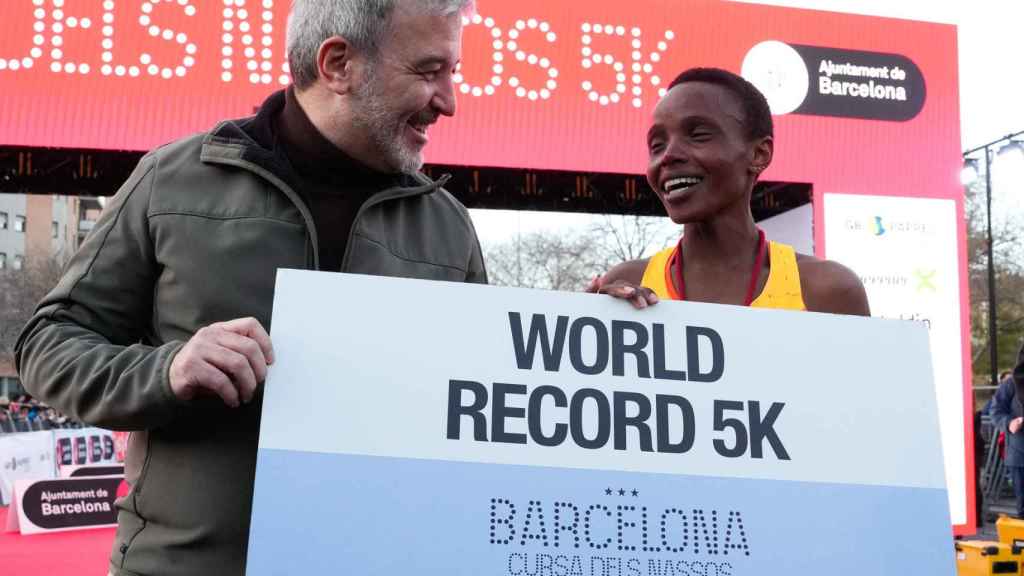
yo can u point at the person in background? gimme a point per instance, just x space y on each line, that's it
1008 417
6 424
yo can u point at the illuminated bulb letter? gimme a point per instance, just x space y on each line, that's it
519 54
256 46
497 68
188 59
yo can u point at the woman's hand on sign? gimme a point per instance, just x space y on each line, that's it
639 296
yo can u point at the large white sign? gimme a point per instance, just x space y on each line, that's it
440 428
905 252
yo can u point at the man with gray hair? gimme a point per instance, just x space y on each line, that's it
160 323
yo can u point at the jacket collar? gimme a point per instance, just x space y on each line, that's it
252 141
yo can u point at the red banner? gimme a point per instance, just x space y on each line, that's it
544 85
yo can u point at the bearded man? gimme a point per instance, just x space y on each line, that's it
160 323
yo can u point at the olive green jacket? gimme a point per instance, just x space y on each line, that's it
195 236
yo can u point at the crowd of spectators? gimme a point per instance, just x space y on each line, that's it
26 414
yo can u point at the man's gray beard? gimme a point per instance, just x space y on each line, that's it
384 129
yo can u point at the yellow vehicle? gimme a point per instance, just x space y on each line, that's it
982 558
1011 531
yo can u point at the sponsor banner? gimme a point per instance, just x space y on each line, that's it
85 446
66 504
49 453
904 250
543 85
24 455
526 432
822 81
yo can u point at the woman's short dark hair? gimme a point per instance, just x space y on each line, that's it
757 116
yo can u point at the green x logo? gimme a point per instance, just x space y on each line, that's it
925 280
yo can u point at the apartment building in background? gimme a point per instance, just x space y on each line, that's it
39 226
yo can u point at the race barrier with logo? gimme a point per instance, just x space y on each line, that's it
461 429
25 455
85 446
63 504
53 453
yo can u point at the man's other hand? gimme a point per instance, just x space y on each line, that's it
1015 424
228 359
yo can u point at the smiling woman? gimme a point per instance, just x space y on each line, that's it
710 138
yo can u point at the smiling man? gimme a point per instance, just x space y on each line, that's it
160 323
710 138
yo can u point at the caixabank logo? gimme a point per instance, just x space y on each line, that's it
882 227
821 81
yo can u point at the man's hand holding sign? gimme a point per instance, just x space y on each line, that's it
228 359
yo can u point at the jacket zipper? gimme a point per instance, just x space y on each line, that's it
384 196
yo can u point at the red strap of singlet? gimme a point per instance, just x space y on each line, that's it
762 251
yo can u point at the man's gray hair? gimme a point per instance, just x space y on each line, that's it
362 22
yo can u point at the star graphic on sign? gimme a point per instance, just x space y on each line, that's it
607 491
622 492
635 493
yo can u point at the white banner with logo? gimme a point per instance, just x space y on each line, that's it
905 251
464 430
25 456
58 505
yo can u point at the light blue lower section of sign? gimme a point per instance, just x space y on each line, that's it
339 514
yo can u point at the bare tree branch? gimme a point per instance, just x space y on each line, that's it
548 260
568 260
1008 264
20 291
621 238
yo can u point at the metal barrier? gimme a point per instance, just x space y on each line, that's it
995 482
993 475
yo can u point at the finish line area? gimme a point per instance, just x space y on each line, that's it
75 553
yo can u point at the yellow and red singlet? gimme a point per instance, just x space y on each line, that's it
782 290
